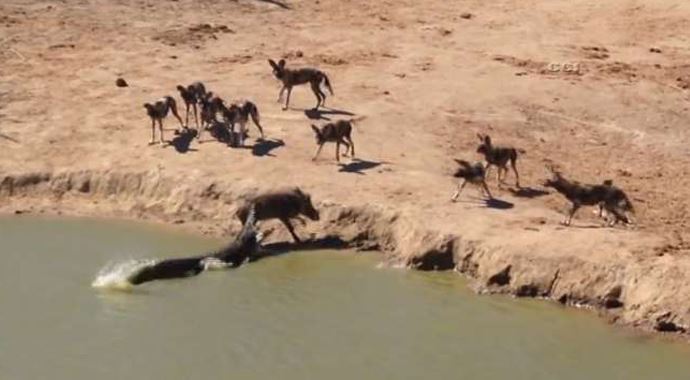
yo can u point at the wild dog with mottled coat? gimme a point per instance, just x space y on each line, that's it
239 113
499 156
283 205
612 199
336 132
296 77
192 95
158 111
470 173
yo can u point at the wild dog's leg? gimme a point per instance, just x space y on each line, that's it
186 116
287 224
458 191
196 118
160 128
280 94
287 101
318 150
347 147
254 113
486 189
173 109
242 132
576 206
317 92
352 146
337 150
153 131
517 176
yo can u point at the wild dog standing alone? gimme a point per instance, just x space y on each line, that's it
473 174
283 205
239 113
295 77
336 132
605 195
499 157
158 111
192 95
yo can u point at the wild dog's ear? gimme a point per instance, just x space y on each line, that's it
481 138
147 105
316 130
487 140
281 63
181 88
273 64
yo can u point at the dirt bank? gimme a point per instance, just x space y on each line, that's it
628 289
571 83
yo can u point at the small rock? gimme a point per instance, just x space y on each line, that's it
121 83
654 50
467 15
173 57
386 92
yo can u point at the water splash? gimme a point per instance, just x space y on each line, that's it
116 275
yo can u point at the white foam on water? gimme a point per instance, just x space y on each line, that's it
115 275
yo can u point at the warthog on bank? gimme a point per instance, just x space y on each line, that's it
283 205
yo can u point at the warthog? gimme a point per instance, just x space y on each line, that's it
282 205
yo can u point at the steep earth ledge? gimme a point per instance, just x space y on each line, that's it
648 292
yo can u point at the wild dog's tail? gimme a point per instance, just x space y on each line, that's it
328 83
172 104
253 111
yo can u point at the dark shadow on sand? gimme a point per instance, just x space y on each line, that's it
264 147
183 140
498 204
320 114
358 166
528 192
494 203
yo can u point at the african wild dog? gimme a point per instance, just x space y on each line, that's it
499 157
192 95
474 174
158 111
295 77
605 195
336 132
283 205
239 113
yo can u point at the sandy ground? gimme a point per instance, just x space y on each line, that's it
598 88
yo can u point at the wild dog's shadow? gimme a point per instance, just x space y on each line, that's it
358 166
282 248
494 203
264 147
183 140
319 114
528 192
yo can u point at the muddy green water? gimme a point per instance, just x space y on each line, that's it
307 315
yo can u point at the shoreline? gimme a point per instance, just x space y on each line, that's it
567 280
